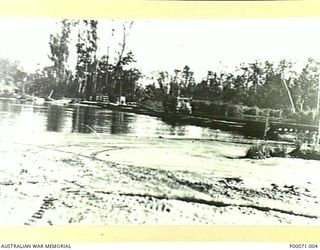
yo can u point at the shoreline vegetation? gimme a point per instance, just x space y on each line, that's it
264 150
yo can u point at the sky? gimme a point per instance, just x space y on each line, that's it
203 45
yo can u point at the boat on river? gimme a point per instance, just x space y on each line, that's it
59 102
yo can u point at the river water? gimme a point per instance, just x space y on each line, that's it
18 115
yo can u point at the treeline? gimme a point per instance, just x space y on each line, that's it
258 88
93 74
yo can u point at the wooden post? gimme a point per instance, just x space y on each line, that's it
318 137
266 125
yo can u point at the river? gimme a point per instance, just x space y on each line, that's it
18 115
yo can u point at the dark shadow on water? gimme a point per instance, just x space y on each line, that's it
88 120
55 120
83 120
120 123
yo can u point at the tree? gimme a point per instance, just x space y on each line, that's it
59 54
305 86
122 61
118 77
162 79
174 83
43 81
187 81
86 68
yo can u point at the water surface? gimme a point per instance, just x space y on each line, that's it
20 116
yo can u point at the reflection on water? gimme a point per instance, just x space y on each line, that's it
55 119
89 119
18 115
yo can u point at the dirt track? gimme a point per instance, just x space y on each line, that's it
57 179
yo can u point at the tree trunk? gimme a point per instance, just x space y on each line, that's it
288 93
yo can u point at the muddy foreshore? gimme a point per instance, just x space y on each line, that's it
72 179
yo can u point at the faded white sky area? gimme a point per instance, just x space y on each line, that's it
171 44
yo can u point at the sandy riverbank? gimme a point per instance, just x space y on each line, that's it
62 179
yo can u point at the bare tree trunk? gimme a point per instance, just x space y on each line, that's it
288 93
107 72
95 76
124 42
123 47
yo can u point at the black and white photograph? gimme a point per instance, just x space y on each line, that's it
159 122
